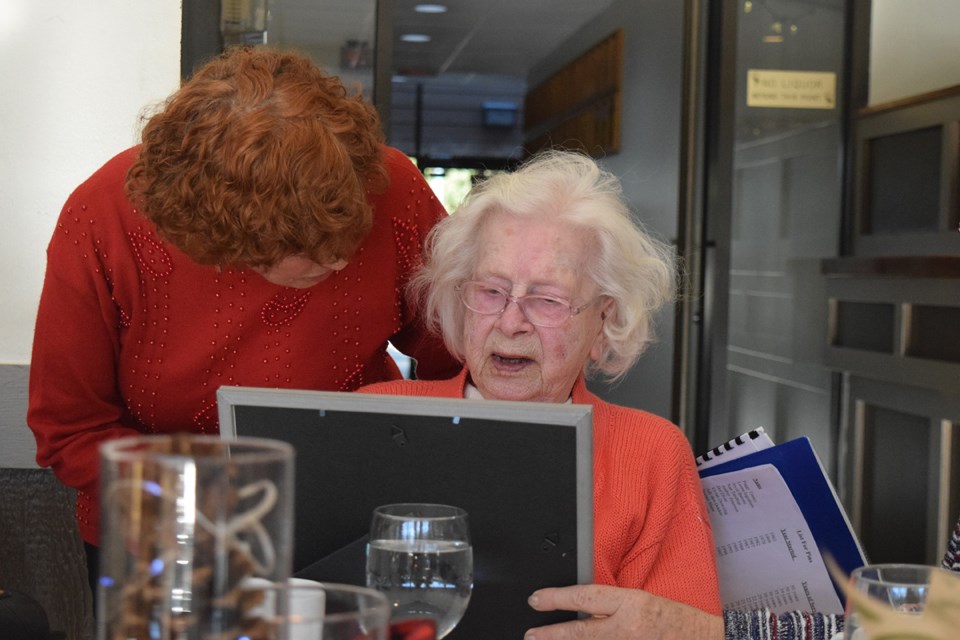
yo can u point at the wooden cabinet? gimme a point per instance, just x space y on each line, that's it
894 329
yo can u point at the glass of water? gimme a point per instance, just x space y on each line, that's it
902 587
420 557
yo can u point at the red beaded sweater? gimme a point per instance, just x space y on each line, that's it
134 337
651 529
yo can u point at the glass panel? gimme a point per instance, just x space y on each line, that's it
865 325
897 454
442 118
933 333
461 73
339 36
785 217
452 184
904 176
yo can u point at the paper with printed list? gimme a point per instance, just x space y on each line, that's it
766 554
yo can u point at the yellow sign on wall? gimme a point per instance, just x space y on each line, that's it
791 89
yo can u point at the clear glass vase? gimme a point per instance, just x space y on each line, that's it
185 521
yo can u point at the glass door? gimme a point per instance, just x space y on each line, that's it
772 211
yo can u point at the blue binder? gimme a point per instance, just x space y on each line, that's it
800 467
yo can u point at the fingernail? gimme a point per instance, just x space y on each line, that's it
532 601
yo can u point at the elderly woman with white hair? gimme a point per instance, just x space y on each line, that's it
541 279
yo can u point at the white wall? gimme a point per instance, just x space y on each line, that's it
76 74
914 48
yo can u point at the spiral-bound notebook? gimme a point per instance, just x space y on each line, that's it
745 444
775 515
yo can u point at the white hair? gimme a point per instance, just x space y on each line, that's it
633 269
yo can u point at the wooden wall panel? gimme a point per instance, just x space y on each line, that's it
578 107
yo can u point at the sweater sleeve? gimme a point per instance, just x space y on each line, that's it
414 210
763 624
674 555
74 402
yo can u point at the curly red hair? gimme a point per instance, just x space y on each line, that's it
261 155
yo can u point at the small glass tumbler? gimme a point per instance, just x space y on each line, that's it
185 519
307 610
902 587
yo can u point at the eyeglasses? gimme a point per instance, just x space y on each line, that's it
542 311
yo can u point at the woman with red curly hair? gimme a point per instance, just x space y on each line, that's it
261 234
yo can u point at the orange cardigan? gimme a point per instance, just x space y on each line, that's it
651 529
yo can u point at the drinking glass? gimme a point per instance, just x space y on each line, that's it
902 587
307 610
420 557
185 520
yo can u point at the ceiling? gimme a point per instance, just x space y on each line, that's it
484 37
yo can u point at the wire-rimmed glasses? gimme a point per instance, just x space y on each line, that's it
541 310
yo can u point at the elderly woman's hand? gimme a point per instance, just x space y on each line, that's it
621 614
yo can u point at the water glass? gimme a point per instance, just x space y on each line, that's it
185 520
420 557
902 587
